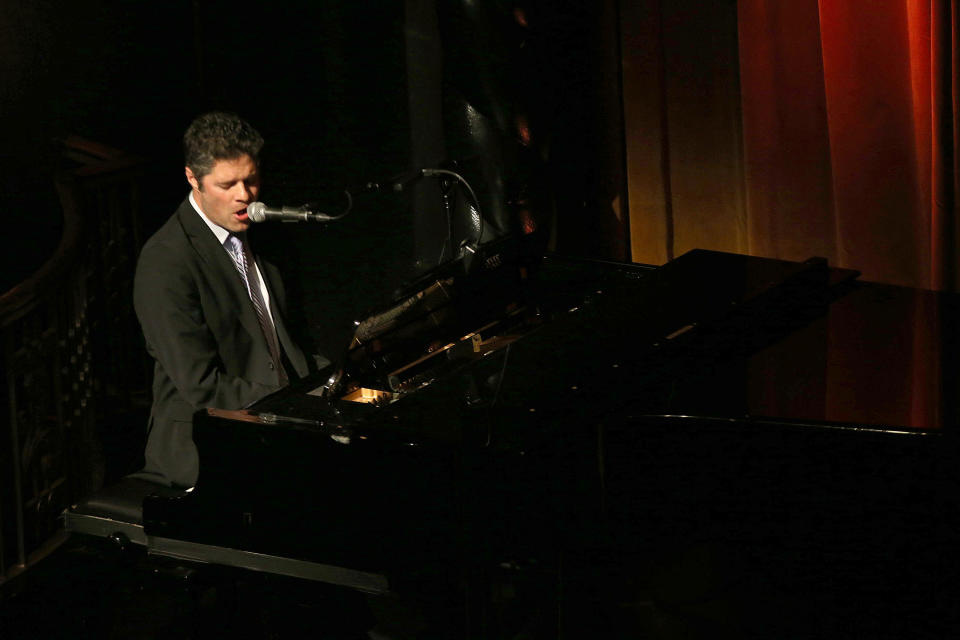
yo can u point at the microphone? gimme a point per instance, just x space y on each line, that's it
260 212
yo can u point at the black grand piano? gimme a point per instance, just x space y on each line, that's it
756 447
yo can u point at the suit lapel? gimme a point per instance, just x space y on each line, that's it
220 266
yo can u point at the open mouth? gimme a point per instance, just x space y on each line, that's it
241 214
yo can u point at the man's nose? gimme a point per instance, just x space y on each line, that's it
243 192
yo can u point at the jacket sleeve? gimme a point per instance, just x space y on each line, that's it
168 304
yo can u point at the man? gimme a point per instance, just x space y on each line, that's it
210 310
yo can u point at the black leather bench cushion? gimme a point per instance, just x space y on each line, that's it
122 501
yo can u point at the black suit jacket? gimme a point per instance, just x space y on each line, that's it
202 331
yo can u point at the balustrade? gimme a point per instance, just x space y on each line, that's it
72 363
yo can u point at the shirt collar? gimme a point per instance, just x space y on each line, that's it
221 233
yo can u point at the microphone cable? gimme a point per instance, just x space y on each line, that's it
343 213
437 173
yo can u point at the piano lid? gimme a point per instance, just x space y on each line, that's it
731 336
709 334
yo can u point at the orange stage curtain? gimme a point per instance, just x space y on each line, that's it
850 130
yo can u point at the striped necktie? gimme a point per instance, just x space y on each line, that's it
239 250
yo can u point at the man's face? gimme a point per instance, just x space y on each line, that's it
224 193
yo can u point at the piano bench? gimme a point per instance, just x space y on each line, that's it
115 512
140 586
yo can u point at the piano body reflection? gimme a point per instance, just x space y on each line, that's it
720 425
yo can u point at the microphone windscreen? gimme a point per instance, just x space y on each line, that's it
256 211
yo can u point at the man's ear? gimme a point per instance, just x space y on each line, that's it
191 178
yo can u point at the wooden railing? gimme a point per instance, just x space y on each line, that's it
70 357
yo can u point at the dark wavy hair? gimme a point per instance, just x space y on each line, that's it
218 135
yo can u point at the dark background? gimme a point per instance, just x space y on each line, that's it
327 83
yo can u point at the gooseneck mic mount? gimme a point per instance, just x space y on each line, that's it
261 212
